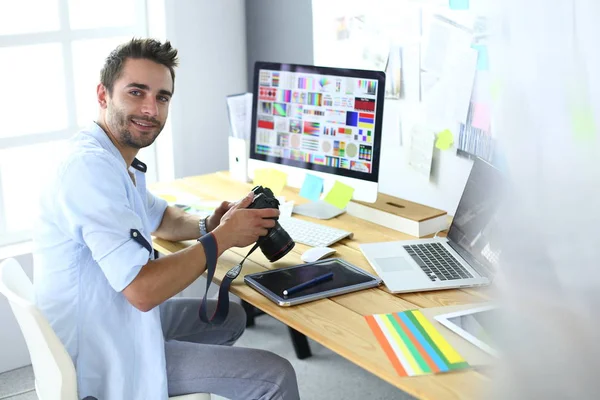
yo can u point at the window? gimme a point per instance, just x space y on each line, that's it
50 66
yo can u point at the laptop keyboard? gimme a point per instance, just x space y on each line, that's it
437 262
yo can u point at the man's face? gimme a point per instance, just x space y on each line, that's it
137 110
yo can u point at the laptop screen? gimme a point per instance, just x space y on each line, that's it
474 225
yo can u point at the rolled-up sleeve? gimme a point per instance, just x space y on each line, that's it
156 209
94 198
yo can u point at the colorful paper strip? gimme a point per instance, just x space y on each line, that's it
413 345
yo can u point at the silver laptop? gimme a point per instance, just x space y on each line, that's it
467 257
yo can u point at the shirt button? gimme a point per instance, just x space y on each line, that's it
135 234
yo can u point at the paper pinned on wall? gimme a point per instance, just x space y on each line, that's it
496 89
443 41
459 4
420 153
312 187
340 195
583 123
239 107
448 101
481 116
444 140
271 178
483 61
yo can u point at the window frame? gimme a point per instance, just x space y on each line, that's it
66 36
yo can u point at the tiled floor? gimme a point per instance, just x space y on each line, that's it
17 384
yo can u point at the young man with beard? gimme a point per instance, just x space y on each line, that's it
95 277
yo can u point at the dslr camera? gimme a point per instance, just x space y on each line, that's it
277 243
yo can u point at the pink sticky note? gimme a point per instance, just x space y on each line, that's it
481 116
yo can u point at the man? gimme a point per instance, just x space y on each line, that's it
95 277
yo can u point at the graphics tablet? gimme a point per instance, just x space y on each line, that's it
346 278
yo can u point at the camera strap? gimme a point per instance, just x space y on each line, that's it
210 251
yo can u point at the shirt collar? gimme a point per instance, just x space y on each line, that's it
98 133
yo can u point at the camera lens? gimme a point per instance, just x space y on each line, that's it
276 244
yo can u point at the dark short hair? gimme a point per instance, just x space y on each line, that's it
150 49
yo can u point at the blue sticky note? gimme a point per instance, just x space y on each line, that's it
483 60
312 187
459 4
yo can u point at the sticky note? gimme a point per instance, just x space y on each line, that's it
312 187
271 178
444 140
483 60
481 116
459 4
496 89
339 195
583 123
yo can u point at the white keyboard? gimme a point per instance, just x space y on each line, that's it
311 234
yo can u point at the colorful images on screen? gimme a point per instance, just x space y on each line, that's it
319 119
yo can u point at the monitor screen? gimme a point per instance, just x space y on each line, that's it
318 118
474 226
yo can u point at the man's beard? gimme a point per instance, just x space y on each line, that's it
120 128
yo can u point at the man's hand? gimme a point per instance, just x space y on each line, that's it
215 219
241 227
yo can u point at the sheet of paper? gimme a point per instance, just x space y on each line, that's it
239 108
448 100
413 345
411 72
481 116
312 187
421 150
442 42
271 178
444 140
340 195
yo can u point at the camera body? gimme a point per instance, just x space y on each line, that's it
277 243
263 198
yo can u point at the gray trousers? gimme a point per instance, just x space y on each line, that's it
200 358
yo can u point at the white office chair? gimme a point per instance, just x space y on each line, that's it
55 377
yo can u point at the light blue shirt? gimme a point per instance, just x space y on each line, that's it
84 257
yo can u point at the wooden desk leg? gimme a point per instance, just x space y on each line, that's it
300 342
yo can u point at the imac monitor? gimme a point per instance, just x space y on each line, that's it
324 121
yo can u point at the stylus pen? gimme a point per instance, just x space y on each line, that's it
307 284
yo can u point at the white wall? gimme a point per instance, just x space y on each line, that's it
211 39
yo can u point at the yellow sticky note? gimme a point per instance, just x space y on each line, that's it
584 125
444 140
339 195
271 178
496 89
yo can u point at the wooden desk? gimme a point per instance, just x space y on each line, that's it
338 323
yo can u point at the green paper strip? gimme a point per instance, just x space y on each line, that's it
410 345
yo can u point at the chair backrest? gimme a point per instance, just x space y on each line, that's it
55 377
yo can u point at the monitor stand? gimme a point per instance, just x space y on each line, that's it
318 209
